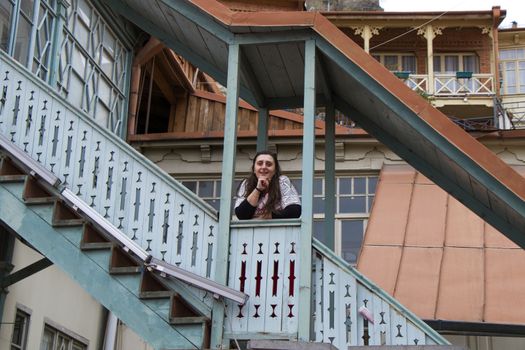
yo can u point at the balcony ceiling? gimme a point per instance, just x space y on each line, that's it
272 75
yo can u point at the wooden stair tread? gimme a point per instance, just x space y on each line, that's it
189 320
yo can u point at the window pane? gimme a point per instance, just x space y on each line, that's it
522 76
298 184
205 189
451 64
391 63
520 53
372 183
215 203
508 54
47 340
5 19
351 239
318 205
352 205
318 186
360 185
437 64
370 202
408 64
470 63
319 232
345 185
190 185
22 40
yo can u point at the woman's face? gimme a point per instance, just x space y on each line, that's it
264 166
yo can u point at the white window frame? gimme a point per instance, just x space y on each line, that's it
504 76
381 57
460 56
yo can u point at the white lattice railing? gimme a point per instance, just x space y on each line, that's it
449 85
417 82
264 263
156 211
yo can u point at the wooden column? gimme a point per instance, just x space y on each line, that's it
329 222
228 174
262 129
305 240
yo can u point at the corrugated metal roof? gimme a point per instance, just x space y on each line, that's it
437 257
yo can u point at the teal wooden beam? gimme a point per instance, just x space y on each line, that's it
274 37
32 35
262 129
330 180
418 126
305 244
228 175
13 25
25 272
58 34
199 17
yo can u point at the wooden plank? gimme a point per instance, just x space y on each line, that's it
274 64
191 114
293 58
181 112
253 55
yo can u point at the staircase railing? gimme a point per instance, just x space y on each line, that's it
52 182
166 219
350 310
347 308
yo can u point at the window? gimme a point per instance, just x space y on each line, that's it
209 190
456 62
53 339
354 197
20 330
512 68
93 62
93 66
397 62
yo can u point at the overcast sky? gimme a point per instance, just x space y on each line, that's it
515 8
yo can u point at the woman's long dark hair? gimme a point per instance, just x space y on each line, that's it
274 190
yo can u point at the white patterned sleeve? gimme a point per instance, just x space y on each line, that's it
289 194
240 194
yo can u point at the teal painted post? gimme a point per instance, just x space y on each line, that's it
13 28
329 222
228 172
58 34
262 129
32 37
305 243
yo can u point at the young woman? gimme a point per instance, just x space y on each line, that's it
266 194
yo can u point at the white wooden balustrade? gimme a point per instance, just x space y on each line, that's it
341 298
153 209
449 85
264 263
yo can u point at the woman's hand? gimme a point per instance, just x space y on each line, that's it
262 184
